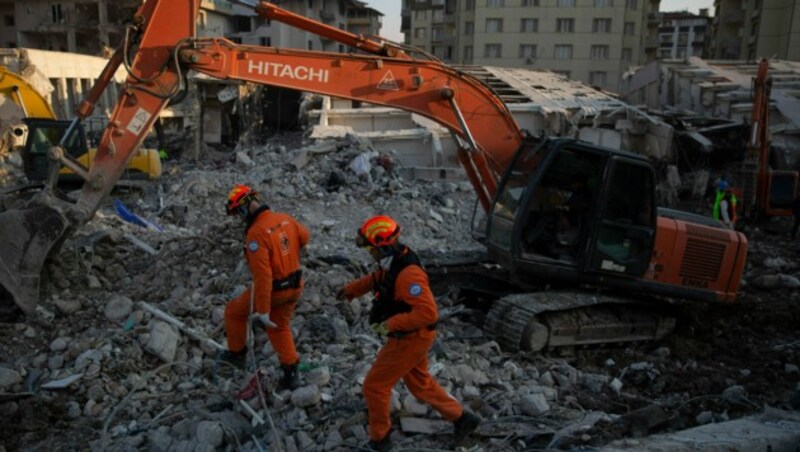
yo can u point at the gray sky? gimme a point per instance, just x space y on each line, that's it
391 11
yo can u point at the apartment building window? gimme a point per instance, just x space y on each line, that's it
57 13
530 2
529 25
468 54
597 78
443 52
601 26
469 27
632 4
599 52
565 25
494 25
419 33
469 5
438 15
8 21
495 3
527 51
265 41
421 15
630 28
566 3
437 33
493 51
603 3
627 54
310 3
563 52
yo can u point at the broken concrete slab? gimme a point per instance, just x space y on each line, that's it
774 430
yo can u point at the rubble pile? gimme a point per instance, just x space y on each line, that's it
98 369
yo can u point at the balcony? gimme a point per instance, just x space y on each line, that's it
651 42
734 17
421 5
653 18
327 16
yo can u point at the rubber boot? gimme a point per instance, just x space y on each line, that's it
290 379
236 359
465 425
383 445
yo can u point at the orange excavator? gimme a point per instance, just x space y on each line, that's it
559 212
767 192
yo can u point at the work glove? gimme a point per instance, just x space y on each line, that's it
261 321
380 329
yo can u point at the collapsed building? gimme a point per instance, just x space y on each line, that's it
710 103
542 103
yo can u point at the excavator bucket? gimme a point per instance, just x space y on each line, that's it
26 239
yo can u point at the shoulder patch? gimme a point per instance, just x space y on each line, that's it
252 246
414 289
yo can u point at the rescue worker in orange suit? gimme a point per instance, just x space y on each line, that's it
272 249
405 311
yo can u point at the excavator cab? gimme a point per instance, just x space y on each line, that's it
572 211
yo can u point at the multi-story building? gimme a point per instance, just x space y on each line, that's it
588 40
683 34
8 32
363 20
751 29
350 15
94 27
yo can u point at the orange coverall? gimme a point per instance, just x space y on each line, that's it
405 357
272 249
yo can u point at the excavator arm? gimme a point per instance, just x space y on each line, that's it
160 48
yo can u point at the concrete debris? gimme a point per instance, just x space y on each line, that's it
98 351
9 377
163 341
774 430
306 396
534 404
118 308
425 426
780 281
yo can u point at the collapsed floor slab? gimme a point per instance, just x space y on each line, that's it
774 430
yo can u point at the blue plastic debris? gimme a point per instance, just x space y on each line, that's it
130 217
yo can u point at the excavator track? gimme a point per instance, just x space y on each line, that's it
549 319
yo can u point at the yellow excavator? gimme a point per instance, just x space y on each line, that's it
40 130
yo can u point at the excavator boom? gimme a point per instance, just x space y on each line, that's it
160 48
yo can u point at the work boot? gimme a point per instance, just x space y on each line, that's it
383 445
236 359
290 380
465 425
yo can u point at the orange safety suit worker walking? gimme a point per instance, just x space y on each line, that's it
272 249
405 311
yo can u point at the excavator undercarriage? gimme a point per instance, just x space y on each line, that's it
539 317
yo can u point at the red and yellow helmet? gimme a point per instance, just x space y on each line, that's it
378 231
238 199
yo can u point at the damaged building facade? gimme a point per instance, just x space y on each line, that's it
216 111
710 104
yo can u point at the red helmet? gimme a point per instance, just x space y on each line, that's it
238 199
378 231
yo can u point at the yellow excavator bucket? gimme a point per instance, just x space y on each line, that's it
22 93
